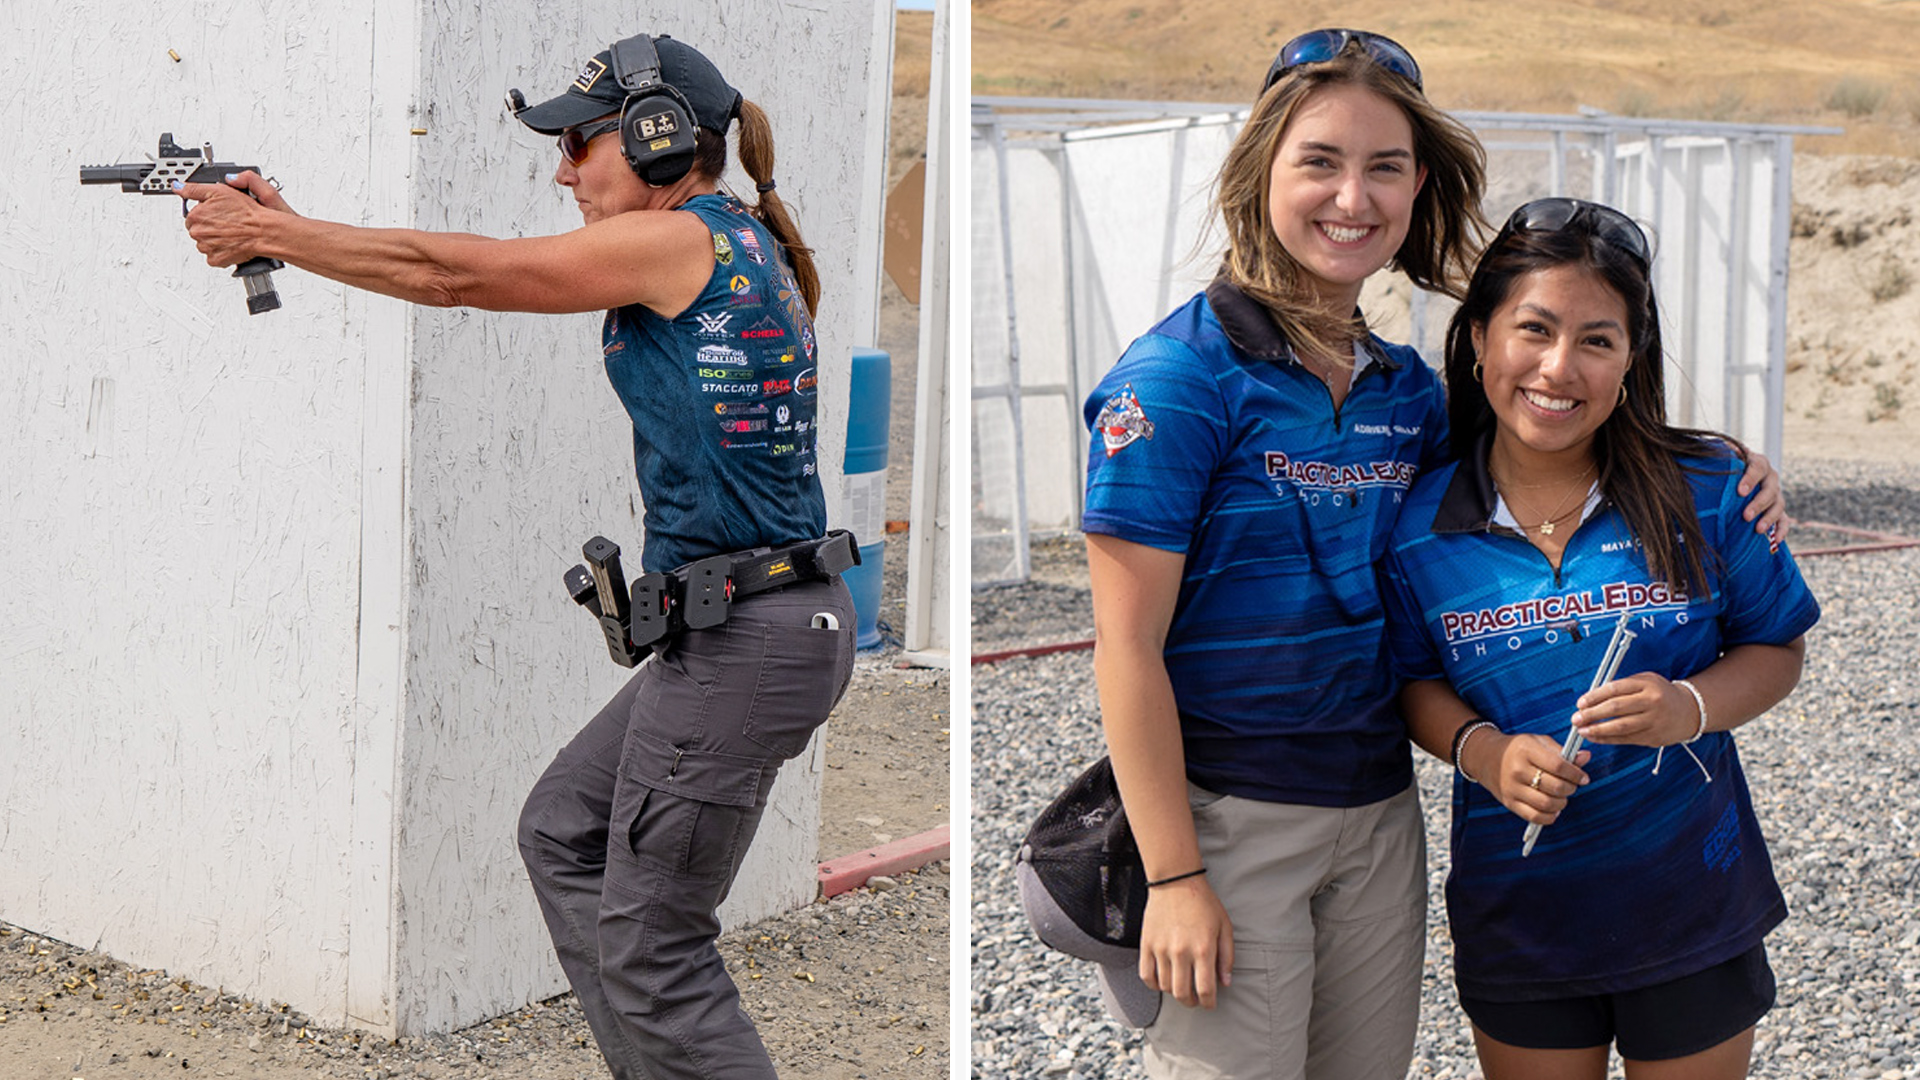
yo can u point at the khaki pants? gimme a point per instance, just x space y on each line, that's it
1329 930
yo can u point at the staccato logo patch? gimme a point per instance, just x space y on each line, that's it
1122 420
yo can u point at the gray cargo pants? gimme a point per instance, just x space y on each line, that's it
634 833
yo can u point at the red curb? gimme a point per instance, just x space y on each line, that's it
1031 650
849 872
1873 541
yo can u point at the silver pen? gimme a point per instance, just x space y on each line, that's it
1609 664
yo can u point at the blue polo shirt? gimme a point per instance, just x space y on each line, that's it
1210 439
1644 878
722 399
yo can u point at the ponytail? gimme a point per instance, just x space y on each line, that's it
756 156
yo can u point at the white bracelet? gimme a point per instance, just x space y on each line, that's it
1702 704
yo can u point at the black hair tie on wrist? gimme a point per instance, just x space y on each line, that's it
764 188
1176 877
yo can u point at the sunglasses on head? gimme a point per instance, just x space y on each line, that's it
1602 222
574 140
1319 46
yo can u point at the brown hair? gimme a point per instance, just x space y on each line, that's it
756 157
1447 224
1636 450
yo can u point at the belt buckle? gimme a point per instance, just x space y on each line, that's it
707 592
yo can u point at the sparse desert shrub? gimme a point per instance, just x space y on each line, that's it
1890 281
1634 101
1886 402
1856 97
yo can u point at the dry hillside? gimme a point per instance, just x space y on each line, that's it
1853 340
1849 63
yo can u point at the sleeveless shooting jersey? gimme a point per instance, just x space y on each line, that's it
1211 440
722 399
1644 878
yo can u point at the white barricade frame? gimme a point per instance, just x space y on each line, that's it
1092 221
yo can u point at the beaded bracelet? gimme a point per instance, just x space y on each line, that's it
1460 737
1176 877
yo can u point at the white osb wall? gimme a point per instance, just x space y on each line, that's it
284 644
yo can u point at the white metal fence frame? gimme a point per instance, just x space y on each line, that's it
1068 192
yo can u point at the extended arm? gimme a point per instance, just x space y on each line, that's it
1186 938
660 258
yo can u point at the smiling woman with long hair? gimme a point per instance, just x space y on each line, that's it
1574 513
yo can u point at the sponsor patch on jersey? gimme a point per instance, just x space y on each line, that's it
1122 420
721 354
806 338
782 414
766 329
743 425
722 249
713 326
740 284
735 408
750 245
805 383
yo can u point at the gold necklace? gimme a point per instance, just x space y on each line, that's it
1560 512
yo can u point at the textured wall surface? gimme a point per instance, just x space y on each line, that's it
179 504
284 644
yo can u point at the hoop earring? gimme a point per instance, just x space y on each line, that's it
1623 393
1476 372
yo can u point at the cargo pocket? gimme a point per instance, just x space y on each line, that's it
803 671
689 813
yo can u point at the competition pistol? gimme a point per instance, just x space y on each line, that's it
176 163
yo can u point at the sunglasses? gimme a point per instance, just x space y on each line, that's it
574 140
1602 222
1319 46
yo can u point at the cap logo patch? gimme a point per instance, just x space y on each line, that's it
589 75
1122 420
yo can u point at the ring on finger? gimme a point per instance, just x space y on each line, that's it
1535 782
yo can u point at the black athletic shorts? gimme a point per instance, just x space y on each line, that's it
1655 1023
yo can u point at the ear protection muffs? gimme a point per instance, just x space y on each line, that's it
656 123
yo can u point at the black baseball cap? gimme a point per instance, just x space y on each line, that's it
596 91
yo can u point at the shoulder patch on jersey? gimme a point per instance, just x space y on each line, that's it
1122 420
722 249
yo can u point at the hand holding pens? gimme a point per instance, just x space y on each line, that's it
1609 666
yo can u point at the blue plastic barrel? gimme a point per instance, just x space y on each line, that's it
864 507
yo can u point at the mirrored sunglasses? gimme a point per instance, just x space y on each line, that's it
1319 46
1559 213
573 141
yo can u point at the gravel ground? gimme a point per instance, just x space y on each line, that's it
1831 767
848 989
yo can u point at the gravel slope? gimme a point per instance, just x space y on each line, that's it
1833 768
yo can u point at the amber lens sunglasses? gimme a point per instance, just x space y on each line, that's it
574 140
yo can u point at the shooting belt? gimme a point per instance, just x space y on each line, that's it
701 593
